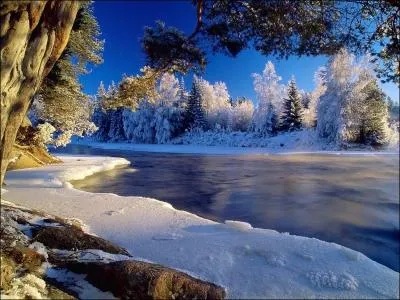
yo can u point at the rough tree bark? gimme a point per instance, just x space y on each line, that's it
33 36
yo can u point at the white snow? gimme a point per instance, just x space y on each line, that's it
248 262
290 149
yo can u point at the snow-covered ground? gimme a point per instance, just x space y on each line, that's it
221 150
248 262
211 142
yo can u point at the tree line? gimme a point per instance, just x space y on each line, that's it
346 106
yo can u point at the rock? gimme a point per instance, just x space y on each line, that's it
29 258
139 280
71 238
125 279
8 270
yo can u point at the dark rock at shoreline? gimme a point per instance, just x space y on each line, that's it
24 262
71 238
140 280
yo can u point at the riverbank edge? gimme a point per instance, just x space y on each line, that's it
222 150
112 162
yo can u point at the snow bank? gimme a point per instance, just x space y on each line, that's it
249 262
222 150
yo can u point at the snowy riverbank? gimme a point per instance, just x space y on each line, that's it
224 150
248 262
209 142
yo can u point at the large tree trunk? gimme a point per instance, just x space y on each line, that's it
33 36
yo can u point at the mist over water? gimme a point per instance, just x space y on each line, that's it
351 200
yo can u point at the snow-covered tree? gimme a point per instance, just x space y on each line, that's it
133 89
45 134
310 110
215 103
100 117
268 90
139 124
353 109
194 115
168 89
72 114
271 124
369 110
160 119
116 132
241 113
291 118
333 107
68 118
169 112
394 110
374 126
305 99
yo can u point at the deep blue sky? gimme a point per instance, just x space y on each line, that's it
122 24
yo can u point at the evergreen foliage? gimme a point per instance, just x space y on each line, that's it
374 123
283 28
351 108
291 118
271 124
194 112
60 100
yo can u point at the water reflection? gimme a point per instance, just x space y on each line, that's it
350 200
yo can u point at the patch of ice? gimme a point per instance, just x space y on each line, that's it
238 225
167 236
351 254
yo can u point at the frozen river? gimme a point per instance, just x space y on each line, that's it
347 199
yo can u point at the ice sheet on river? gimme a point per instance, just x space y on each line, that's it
248 262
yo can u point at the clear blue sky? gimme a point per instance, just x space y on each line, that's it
122 24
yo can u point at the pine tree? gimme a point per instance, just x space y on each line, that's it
180 106
373 129
292 109
194 112
271 124
182 90
100 118
116 131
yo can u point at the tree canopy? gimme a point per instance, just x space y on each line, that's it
282 28
60 99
